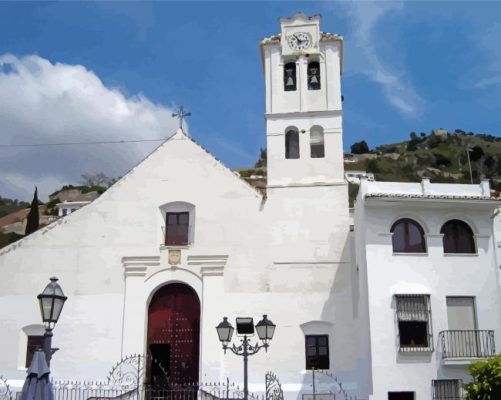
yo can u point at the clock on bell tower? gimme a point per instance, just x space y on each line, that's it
302 69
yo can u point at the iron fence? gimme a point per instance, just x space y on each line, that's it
447 389
103 391
467 343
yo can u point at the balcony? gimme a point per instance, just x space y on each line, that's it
461 347
447 389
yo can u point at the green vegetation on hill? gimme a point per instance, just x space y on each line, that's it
442 156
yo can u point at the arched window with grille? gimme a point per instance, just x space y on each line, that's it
317 147
314 75
458 237
290 78
292 143
408 237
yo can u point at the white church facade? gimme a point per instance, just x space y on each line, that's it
155 263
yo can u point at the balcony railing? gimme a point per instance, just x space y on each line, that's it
467 344
447 389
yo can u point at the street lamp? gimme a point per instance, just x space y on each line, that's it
245 326
51 304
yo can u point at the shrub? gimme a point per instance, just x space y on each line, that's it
486 383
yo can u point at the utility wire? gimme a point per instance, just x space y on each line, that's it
81 143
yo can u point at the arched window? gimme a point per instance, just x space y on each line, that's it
458 237
313 75
317 148
292 143
290 76
408 237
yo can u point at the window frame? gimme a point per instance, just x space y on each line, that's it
407 246
457 239
320 145
317 358
292 131
177 242
413 313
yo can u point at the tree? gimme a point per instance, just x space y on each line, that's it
97 179
414 136
486 383
261 162
32 221
360 147
476 153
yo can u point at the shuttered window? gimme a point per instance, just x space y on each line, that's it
414 322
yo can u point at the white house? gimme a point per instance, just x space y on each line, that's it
426 258
67 207
156 262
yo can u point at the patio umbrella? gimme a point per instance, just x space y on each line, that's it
37 385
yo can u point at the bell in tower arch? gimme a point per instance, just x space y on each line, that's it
313 76
290 76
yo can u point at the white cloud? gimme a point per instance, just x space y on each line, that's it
41 102
363 56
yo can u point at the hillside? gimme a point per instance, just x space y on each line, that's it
8 206
441 156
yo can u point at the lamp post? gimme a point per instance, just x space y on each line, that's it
245 327
51 303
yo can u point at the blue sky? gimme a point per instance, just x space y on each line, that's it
409 66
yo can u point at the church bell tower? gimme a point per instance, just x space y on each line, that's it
302 68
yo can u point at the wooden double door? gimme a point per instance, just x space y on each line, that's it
173 343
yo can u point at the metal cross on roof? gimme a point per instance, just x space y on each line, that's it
181 114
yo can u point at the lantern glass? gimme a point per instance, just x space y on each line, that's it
225 331
265 329
51 302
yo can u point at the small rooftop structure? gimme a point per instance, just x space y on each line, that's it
67 207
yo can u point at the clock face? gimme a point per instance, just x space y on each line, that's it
299 41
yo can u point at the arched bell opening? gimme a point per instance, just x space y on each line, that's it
173 336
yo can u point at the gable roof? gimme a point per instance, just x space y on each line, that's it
180 134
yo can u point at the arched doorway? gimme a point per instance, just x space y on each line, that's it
173 335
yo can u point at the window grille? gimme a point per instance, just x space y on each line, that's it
447 389
414 323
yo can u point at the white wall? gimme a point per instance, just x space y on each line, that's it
433 273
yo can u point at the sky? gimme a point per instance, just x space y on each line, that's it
73 72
